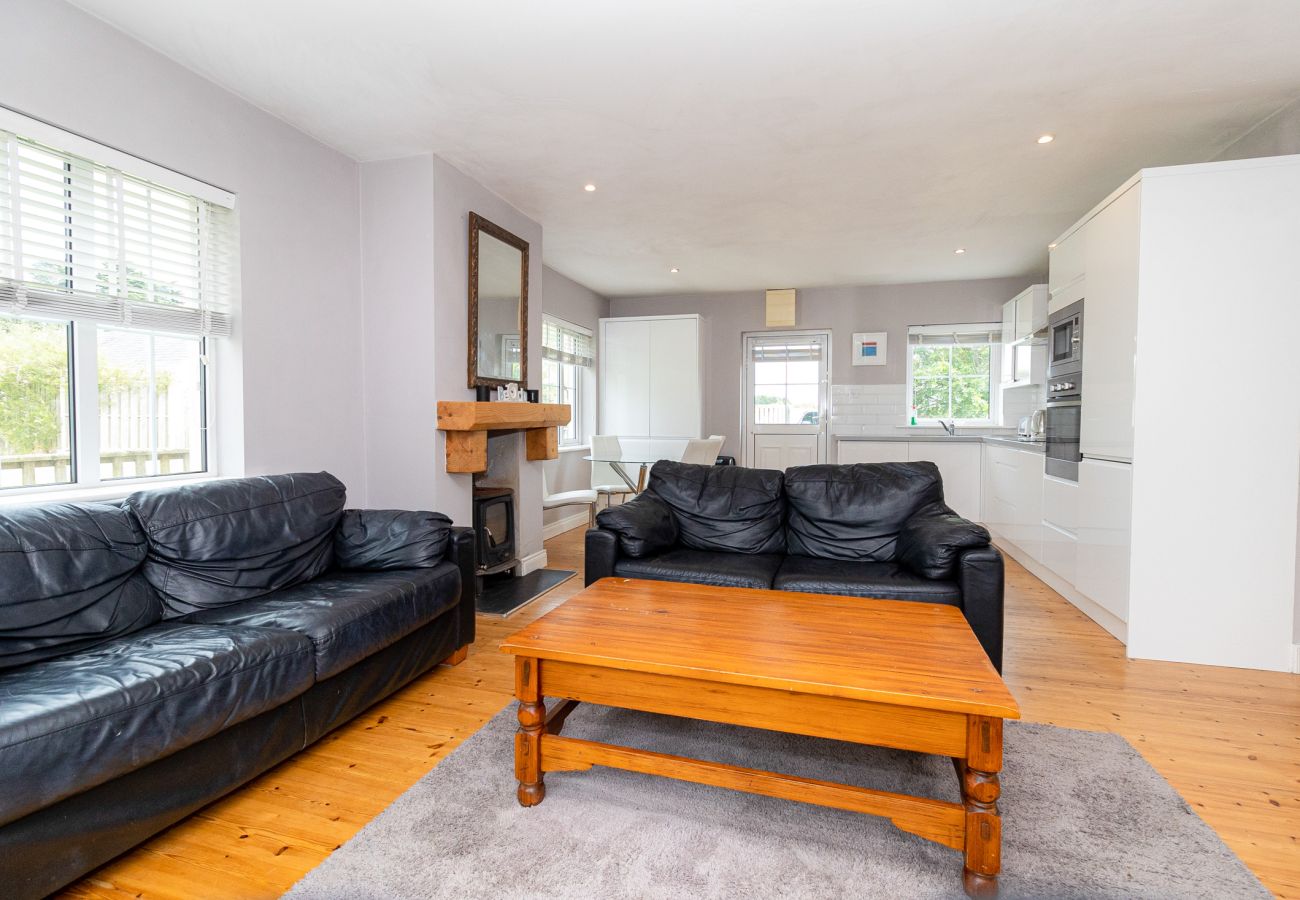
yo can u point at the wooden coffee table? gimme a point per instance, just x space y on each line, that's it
895 674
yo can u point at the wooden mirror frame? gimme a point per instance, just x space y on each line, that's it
479 224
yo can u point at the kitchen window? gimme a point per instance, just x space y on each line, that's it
952 373
567 373
117 280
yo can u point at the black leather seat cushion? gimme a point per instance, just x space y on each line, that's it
69 579
887 581
222 542
856 512
723 508
750 570
349 615
71 723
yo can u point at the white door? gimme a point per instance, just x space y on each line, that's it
674 378
786 389
625 382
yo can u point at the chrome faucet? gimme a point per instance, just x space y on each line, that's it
951 429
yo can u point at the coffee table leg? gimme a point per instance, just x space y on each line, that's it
980 789
528 740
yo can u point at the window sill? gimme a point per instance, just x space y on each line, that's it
118 490
570 448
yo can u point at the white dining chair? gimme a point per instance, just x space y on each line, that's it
604 480
581 497
703 451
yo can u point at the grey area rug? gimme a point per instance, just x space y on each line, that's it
1083 816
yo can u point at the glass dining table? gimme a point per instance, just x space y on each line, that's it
640 453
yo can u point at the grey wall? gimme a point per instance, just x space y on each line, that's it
289 395
564 298
843 310
1278 135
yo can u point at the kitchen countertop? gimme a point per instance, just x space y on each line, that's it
999 439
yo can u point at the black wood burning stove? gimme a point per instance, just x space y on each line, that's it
494 528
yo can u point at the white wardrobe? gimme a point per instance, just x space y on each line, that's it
651 379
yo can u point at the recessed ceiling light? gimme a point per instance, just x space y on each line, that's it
1052 245
588 187
1046 138
959 250
674 270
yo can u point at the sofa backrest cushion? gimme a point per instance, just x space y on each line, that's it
70 579
723 508
223 542
374 539
856 511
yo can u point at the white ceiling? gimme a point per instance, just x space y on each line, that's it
759 143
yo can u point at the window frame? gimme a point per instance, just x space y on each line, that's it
583 380
85 449
995 373
83 426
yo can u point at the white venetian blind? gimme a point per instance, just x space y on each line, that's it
948 335
82 240
565 343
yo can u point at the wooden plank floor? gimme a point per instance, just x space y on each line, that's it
1227 739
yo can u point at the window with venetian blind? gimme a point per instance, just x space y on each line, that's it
114 289
952 372
567 360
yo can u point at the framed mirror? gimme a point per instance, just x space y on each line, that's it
498 305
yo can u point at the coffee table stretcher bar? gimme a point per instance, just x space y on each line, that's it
973 827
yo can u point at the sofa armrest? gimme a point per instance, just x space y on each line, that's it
602 554
932 541
981 579
644 526
374 539
461 552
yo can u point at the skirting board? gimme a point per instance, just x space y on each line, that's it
532 562
1295 659
1115 626
568 523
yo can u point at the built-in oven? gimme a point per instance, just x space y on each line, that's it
1064 392
1065 338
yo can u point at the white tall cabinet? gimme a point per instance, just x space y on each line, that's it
1185 512
651 379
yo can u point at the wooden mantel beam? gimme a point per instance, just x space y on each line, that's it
468 422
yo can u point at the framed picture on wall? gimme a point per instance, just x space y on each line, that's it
869 348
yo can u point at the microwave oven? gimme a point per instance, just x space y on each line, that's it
1065 338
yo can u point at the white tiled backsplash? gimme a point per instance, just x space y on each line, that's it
1020 401
868 408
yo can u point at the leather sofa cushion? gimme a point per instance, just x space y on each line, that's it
644 526
933 539
71 723
222 542
349 615
884 580
724 508
70 580
856 511
748 570
374 539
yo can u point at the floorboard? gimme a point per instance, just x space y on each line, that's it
1227 739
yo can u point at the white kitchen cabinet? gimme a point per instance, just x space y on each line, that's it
1110 312
871 451
1060 550
1031 311
1013 495
1008 323
1065 269
1104 518
1022 317
651 380
959 465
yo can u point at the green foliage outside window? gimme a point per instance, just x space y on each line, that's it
951 382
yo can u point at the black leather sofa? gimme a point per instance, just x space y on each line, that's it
867 530
157 654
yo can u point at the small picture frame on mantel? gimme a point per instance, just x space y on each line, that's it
869 348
